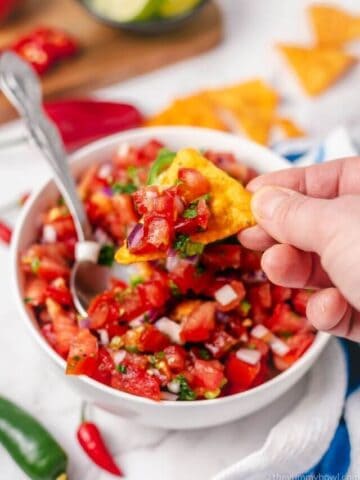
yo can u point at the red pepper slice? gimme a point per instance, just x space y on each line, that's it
5 233
81 121
90 438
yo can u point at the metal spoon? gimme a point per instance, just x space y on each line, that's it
21 86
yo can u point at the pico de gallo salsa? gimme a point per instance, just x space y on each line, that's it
200 323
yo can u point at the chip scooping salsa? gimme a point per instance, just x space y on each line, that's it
197 323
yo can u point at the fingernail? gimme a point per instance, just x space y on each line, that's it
266 201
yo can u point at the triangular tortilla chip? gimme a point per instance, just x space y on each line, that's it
124 257
288 128
317 67
333 26
229 203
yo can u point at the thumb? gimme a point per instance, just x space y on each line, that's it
290 217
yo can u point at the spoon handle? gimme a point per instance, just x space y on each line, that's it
21 86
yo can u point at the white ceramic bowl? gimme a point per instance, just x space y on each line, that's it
179 415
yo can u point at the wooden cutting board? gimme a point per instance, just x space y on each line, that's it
107 55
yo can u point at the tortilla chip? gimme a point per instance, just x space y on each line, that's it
195 110
125 257
288 128
247 107
229 204
317 67
253 93
229 201
333 26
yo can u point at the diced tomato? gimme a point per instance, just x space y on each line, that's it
64 324
104 367
59 292
132 306
298 344
300 299
124 208
152 340
188 226
280 294
241 374
222 256
260 295
103 309
251 261
64 227
116 329
83 352
137 382
259 314
48 331
199 324
220 343
187 277
148 152
151 200
284 320
239 289
158 232
50 269
208 374
192 184
154 293
175 357
35 291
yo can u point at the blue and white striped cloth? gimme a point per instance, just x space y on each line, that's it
320 438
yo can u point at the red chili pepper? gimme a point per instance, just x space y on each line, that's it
5 233
44 47
81 121
91 440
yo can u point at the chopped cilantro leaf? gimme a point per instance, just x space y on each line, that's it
121 368
185 391
204 354
35 265
186 247
123 188
27 299
245 307
191 211
107 255
175 290
136 280
133 174
131 349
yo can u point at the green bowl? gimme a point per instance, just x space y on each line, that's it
151 27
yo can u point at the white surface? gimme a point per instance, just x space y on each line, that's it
251 29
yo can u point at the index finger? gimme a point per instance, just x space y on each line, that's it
328 180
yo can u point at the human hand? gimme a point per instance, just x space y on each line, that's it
309 229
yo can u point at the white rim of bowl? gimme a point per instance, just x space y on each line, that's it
315 349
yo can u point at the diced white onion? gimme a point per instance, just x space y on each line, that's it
101 236
174 386
87 251
169 396
172 262
279 347
119 356
247 355
169 328
104 336
137 322
105 170
49 234
225 295
260 331
123 149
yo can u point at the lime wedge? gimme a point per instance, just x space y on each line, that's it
125 10
174 8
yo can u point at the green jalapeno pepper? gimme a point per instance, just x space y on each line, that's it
30 445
